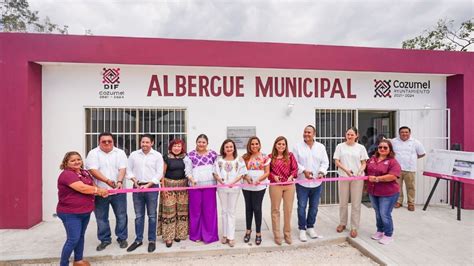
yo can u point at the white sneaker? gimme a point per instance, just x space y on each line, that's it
377 235
312 233
385 240
303 236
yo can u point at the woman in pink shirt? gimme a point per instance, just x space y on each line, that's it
283 168
383 171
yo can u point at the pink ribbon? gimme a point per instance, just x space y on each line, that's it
331 179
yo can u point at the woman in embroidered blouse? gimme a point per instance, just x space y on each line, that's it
229 170
173 211
76 191
283 168
258 166
202 202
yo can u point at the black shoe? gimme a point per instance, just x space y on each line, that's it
102 245
151 247
177 240
122 243
134 246
169 244
247 237
258 240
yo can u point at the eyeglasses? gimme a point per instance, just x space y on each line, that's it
382 147
106 141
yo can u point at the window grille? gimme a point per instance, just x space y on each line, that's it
128 124
331 126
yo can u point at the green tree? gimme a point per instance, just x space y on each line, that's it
17 17
444 36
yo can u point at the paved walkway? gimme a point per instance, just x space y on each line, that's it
431 237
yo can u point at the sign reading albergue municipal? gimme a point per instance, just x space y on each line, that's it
232 86
166 82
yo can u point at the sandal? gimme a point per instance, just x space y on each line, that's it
224 240
247 236
231 243
353 233
258 240
340 228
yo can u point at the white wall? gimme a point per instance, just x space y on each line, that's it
69 88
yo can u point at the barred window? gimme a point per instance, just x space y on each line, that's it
128 124
331 126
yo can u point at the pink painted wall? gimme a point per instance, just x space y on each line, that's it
20 79
461 102
20 161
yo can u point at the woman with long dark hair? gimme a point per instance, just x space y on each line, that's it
283 168
258 166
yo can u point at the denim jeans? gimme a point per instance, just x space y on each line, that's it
383 206
304 194
75 225
119 206
150 201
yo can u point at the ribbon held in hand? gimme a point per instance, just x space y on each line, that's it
330 179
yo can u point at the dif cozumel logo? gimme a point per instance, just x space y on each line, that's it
111 84
382 88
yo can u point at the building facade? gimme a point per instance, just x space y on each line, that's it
60 92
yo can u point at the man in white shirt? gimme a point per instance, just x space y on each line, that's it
108 165
145 169
407 151
313 164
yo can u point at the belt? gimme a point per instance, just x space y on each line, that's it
142 183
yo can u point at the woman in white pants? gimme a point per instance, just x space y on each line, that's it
229 170
350 158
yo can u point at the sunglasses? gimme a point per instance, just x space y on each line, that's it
382 147
106 141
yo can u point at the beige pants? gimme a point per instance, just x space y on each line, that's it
409 178
277 193
352 190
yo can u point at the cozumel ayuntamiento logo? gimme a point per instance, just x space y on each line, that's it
382 88
111 82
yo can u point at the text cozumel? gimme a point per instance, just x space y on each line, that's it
233 86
